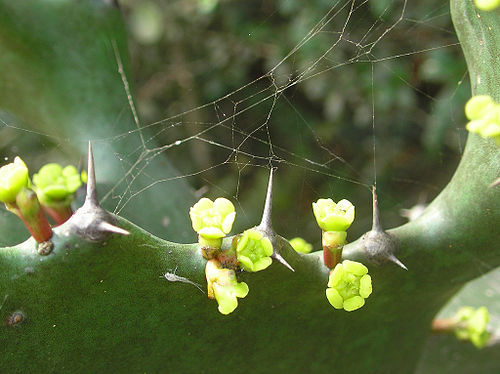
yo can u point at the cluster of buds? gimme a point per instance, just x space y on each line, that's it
55 187
250 251
333 219
52 190
484 115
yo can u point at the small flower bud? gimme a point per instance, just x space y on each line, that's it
13 178
254 251
484 115
212 220
55 185
333 216
471 324
478 106
487 5
300 245
349 285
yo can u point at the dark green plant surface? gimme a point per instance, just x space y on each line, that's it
103 307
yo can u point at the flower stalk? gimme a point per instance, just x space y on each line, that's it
28 209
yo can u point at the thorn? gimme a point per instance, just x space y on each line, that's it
91 198
265 223
394 259
108 227
376 226
282 261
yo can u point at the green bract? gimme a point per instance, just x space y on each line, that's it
300 245
212 219
223 286
254 250
471 325
333 216
55 184
349 285
487 5
13 177
484 115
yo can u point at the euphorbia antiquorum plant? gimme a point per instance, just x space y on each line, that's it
108 296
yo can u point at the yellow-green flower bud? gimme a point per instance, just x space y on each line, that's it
13 178
223 286
300 245
478 106
56 185
349 285
333 216
471 324
254 251
212 220
484 115
487 5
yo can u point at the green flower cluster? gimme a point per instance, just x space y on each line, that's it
250 251
55 185
484 115
223 286
254 250
471 324
349 285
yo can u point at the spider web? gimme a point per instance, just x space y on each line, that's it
243 127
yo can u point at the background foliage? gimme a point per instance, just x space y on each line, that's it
198 51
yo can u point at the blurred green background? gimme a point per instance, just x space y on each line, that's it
186 54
